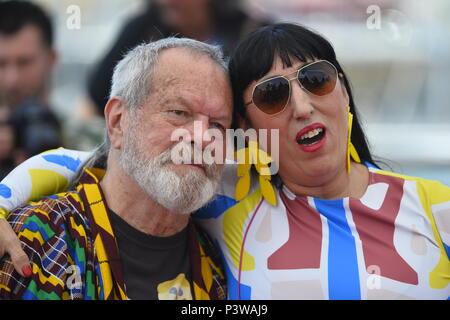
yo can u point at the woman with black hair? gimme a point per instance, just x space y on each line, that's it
332 225
342 228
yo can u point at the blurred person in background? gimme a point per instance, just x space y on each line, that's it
4 109
27 59
212 21
6 140
6 148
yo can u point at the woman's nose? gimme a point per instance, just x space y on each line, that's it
300 101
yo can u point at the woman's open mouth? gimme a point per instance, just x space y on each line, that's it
311 138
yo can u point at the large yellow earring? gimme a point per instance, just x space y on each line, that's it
245 158
351 150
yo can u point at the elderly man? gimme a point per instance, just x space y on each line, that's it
126 233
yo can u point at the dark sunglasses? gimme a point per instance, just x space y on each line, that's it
271 96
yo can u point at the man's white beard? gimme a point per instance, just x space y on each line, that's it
181 194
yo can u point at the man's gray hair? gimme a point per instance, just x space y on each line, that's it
132 78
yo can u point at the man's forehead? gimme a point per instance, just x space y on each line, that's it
28 33
174 61
26 41
180 69
183 78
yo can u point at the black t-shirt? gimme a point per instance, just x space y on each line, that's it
154 267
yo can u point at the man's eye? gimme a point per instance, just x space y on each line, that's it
218 126
178 112
24 62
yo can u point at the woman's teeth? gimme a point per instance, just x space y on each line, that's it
311 133
311 137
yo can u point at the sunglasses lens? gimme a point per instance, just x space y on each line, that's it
318 78
271 96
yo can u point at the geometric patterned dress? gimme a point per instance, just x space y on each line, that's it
392 243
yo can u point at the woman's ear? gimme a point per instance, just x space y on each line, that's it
344 89
114 116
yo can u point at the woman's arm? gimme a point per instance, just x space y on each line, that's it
45 174
42 175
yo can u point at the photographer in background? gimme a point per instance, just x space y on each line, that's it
27 59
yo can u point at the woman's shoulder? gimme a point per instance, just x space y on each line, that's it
435 191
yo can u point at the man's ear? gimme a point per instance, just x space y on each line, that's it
53 58
114 117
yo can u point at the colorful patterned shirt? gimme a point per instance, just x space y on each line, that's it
74 253
392 243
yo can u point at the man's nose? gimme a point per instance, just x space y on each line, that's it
300 101
200 134
10 75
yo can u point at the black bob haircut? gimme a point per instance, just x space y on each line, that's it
254 56
15 15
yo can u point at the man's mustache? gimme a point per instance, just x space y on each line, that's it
211 169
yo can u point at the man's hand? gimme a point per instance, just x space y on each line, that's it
9 243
